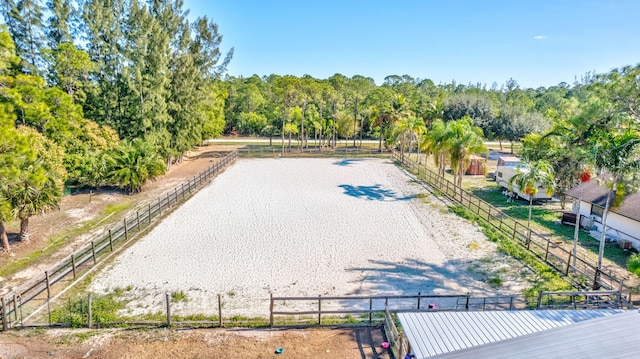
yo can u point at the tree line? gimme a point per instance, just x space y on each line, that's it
100 93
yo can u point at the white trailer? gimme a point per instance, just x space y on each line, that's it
504 175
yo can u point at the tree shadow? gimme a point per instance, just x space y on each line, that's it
413 275
372 193
347 162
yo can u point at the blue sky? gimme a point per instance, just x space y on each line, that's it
537 43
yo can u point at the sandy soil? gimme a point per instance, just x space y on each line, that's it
202 343
307 227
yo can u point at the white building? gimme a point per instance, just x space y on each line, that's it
623 223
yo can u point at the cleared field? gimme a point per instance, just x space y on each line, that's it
307 227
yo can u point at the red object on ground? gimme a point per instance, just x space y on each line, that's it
585 176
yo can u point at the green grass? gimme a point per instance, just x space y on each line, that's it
177 297
546 219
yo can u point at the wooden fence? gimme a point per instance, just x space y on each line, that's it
540 245
370 309
30 297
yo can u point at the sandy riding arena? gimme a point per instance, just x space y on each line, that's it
307 227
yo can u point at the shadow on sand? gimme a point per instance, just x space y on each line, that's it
372 193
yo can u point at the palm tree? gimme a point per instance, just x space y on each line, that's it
399 112
616 154
132 164
408 130
39 185
432 142
529 178
462 139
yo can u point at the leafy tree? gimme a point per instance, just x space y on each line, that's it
70 71
633 263
475 106
25 24
59 31
14 150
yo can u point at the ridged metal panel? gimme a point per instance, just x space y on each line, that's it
438 333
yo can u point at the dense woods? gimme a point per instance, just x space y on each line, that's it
97 93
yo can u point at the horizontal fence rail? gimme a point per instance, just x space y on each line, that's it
540 245
28 298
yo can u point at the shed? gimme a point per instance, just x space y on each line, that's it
548 334
477 165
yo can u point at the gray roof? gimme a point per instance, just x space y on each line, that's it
545 334
596 194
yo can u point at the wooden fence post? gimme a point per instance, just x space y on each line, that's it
110 241
5 325
138 219
126 231
219 311
370 311
93 251
89 315
419 300
73 265
566 272
320 309
46 278
168 302
546 254
271 310
15 306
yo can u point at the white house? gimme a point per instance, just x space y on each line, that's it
623 223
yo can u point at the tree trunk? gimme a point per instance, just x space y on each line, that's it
283 136
4 238
24 229
355 120
605 215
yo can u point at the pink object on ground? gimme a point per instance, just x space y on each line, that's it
385 345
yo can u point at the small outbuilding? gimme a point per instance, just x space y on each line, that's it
477 165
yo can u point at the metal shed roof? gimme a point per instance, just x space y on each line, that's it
520 334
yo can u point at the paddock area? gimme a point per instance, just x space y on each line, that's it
307 227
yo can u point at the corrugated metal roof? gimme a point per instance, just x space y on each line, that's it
451 334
